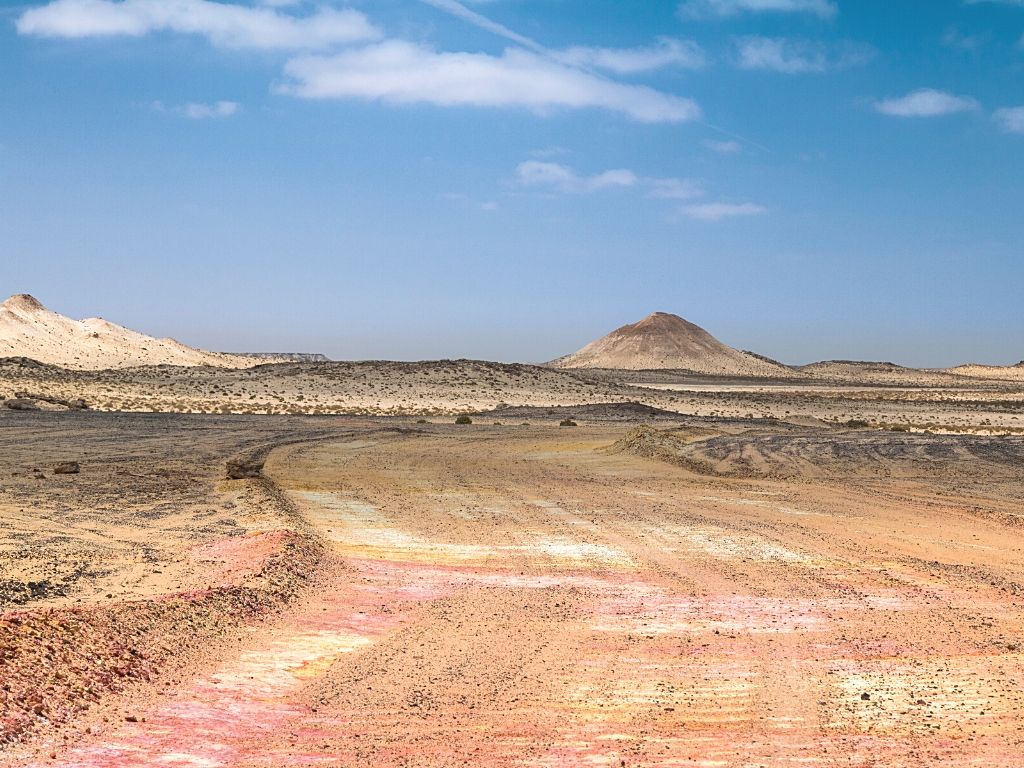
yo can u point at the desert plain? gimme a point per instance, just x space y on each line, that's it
311 564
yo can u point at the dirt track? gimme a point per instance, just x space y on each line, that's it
521 596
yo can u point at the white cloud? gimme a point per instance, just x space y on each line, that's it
780 55
225 24
926 102
724 147
560 178
1010 119
674 189
724 8
666 52
719 211
199 111
537 173
954 38
400 72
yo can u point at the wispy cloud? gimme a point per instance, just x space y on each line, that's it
825 9
673 189
724 147
720 211
561 178
1010 119
224 24
666 52
488 206
547 152
780 55
199 111
554 177
790 56
400 72
954 38
926 102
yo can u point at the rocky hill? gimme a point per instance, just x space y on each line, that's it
665 341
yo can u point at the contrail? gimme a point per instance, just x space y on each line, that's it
456 8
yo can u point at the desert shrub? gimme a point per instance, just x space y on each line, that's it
568 423
463 419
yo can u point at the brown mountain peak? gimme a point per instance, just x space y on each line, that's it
666 341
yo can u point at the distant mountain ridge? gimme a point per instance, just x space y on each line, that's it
663 341
284 357
28 329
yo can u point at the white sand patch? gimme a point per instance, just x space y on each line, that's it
731 546
761 503
356 528
951 695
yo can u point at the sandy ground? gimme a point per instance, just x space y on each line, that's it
545 596
913 400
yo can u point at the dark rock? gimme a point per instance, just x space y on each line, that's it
78 404
67 468
22 404
244 467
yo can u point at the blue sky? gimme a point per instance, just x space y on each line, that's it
509 179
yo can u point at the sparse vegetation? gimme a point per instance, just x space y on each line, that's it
463 419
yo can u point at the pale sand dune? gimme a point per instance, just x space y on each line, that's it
28 329
664 341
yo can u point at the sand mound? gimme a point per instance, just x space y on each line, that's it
28 329
664 341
